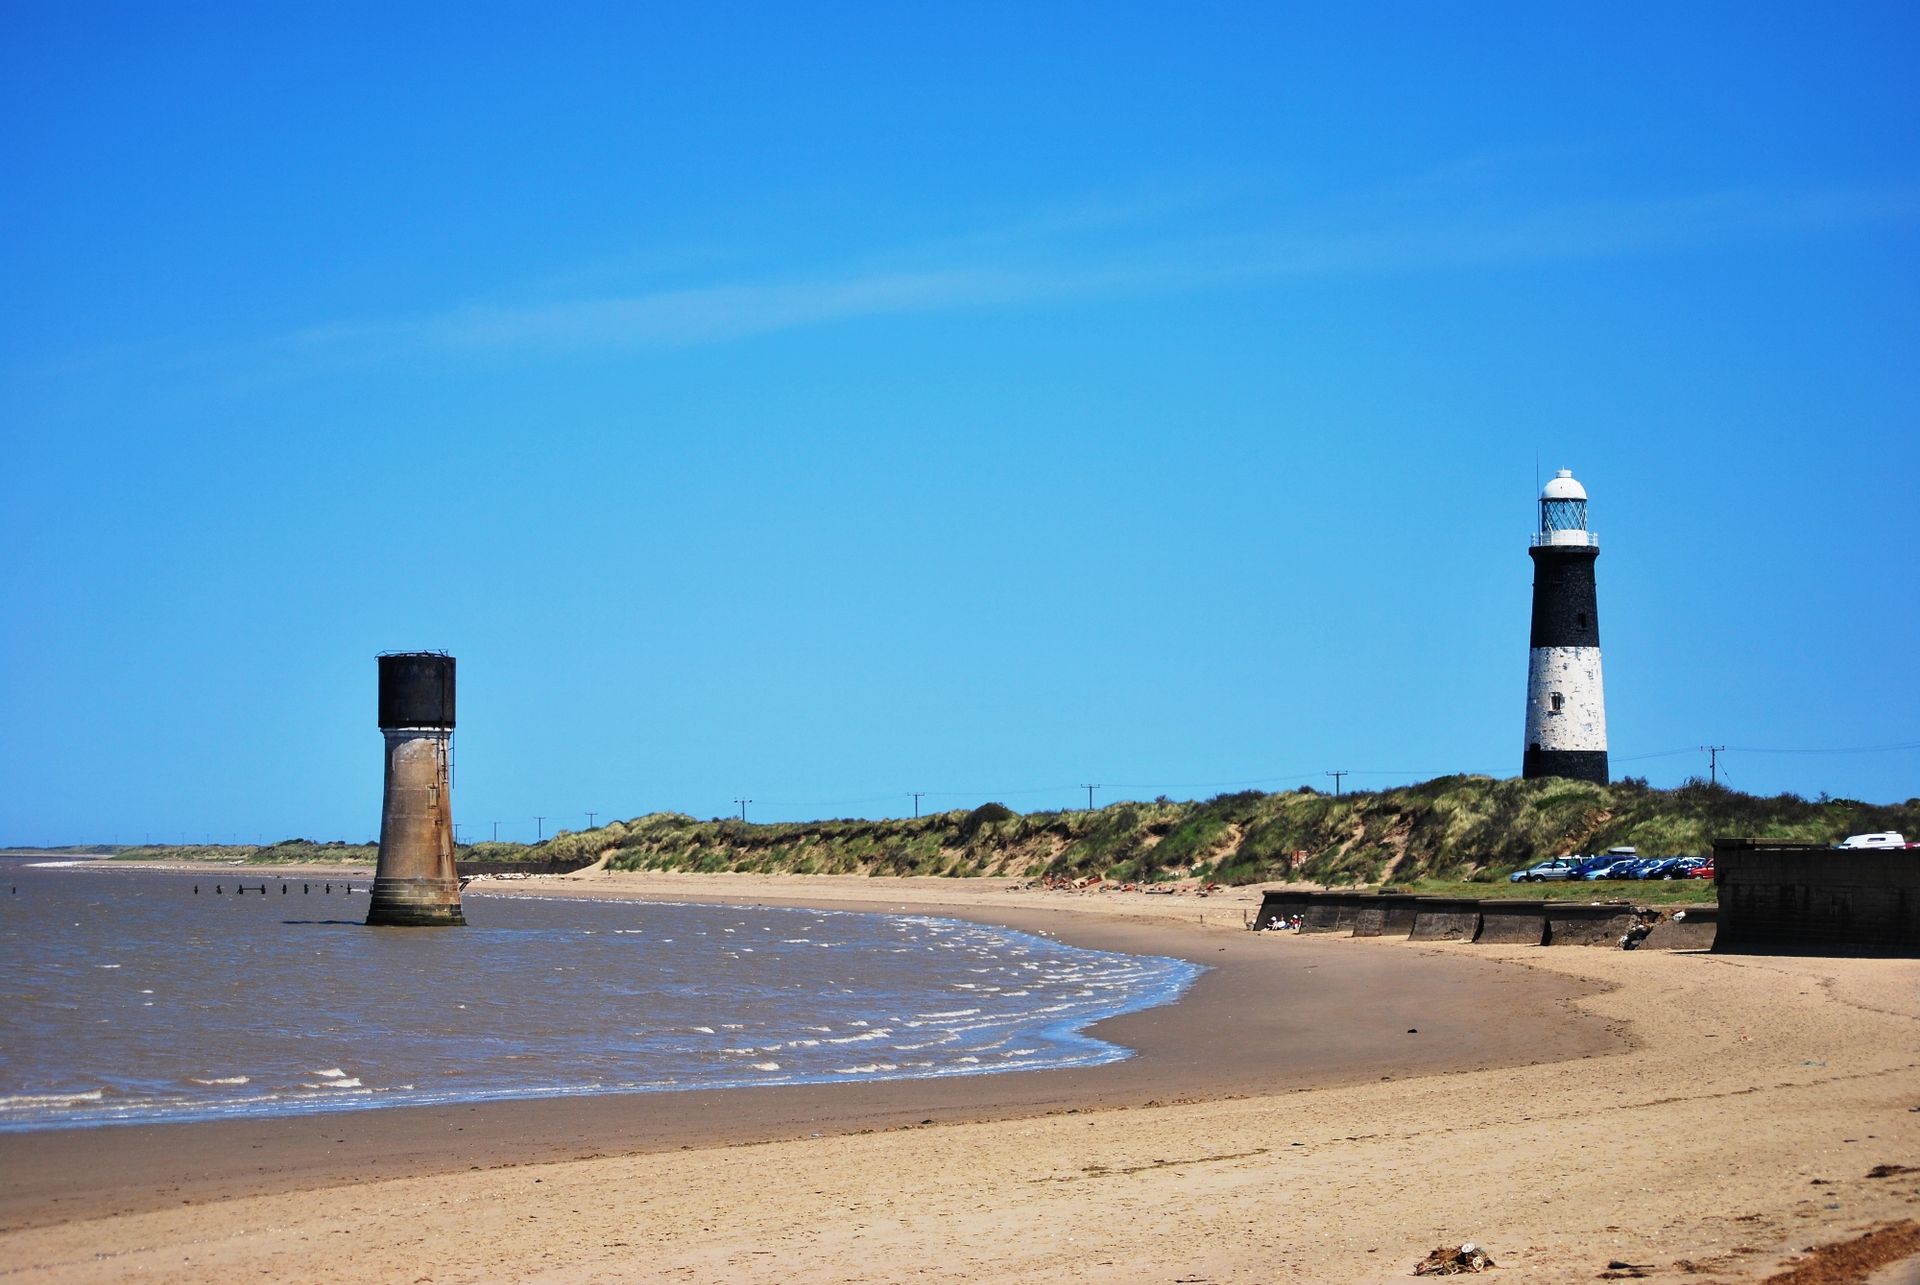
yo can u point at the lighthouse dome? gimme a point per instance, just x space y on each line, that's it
1563 487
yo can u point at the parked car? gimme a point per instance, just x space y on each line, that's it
1879 839
1701 869
1618 868
1554 868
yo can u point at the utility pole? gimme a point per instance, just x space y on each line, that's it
917 795
743 807
590 817
1089 789
496 832
1713 763
1336 779
539 829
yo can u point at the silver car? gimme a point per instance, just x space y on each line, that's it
1556 868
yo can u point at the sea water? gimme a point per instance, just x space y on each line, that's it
130 996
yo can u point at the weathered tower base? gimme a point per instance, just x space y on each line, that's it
415 903
416 883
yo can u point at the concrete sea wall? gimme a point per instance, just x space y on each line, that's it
1794 899
1774 898
1492 921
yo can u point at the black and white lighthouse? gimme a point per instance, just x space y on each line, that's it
1566 708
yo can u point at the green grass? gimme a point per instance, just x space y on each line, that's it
1642 892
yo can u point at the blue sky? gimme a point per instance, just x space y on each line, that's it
817 406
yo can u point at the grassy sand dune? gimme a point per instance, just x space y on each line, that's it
1466 828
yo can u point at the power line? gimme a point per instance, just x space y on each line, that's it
1207 785
974 794
1856 749
1893 748
841 803
1304 776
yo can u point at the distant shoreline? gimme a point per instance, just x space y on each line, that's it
54 854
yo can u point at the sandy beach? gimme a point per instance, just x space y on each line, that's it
1316 1109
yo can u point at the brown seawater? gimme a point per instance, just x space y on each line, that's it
130 997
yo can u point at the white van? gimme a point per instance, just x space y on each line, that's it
1879 839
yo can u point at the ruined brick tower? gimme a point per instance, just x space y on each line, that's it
416 883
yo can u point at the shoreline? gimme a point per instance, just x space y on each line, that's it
1171 1057
1288 1077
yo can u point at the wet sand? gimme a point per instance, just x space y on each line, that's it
1316 1108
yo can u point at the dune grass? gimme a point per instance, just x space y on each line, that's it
1649 892
1464 831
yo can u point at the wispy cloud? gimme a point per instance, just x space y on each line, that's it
711 314
1061 255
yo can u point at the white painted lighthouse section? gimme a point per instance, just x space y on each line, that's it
1566 706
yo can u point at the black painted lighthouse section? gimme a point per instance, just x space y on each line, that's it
1566 611
1575 765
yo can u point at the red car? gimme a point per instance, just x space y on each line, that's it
1702 871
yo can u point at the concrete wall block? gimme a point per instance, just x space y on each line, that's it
1682 934
1513 923
1275 906
1445 919
1323 916
1594 924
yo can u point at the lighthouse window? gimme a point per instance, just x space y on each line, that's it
1583 620
1557 700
